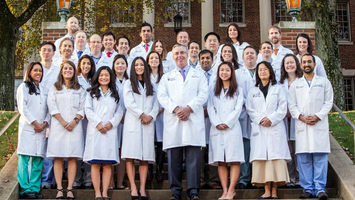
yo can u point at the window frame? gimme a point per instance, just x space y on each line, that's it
345 41
184 24
226 24
123 24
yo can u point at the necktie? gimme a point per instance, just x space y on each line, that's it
182 72
207 76
276 51
72 37
146 47
80 53
109 54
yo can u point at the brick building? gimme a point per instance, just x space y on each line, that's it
253 16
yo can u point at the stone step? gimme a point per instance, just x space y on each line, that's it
164 194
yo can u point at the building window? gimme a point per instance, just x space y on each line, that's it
181 7
232 11
349 91
123 15
342 18
281 11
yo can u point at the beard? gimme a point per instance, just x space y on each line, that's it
308 69
275 40
74 30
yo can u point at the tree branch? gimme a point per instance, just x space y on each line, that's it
33 6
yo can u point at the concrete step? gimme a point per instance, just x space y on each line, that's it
164 194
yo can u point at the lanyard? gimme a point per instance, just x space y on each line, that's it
308 82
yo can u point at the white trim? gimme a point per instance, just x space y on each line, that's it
348 72
123 25
171 25
227 24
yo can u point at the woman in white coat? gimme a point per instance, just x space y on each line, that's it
226 139
228 54
32 105
159 47
304 46
86 71
104 113
290 71
156 72
66 139
119 69
266 105
138 130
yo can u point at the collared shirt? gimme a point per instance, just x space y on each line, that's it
112 52
187 68
192 64
96 60
270 61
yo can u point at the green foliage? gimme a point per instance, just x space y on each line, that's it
5 117
8 141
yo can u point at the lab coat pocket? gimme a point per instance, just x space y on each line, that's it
255 129
76 100
300 126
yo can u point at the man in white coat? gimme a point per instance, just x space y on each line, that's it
246 79
182 37
145 46
123 46
99 57
182 92
81 46
310 99
279 50
212 42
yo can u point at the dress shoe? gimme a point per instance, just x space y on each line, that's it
269 197
175 197
241 186
322 196
46 186
306 195
28 195
38 196
194 197
159 176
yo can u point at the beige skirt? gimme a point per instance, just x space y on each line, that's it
270 171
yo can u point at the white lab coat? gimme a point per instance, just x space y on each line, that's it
226 145
168 65
85 51
307 101
289 132
268 143
319 69
277 60
67 103
119 87
84 83
32 108
138 139
174 92
159 122
100 146
239 49
60 60
246 81
50 76
57 55
139 50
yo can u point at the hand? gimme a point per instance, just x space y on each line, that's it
122 120
70 126
265 122
312 120
44 125
63 123
101 128
108 126
302 119
222 127
161 110
205 111
37 127
184 113
146 119
288 114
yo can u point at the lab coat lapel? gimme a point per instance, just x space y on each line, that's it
190 74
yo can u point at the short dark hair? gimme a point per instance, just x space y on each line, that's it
193 41
212 33
272 77
273 26
308 54
49 43
204 52
146 24
108 34
310 45
266 42
250 47
123 37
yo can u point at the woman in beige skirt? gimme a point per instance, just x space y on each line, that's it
266 105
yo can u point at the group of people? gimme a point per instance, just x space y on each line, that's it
256 117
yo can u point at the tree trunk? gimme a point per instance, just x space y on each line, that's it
8 40
327 47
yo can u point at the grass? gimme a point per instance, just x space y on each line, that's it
343 132
8 140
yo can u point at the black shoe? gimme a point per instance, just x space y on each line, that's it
306 195
60 197
241 186
322 196
38 196
159 176
264 197
194 197
88 187
28 195
175 197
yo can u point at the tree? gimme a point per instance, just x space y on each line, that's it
10 22
323 13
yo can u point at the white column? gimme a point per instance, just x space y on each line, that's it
206 19
265 19
148 14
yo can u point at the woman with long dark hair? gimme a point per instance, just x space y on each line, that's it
66 139
32 105
86 71
266 105
226 140
228 54
156 72
104 113
160 47
234 37
138 131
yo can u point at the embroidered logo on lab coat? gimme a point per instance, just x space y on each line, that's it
318 85
257 94
171 79
299 86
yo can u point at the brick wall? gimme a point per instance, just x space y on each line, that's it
289 36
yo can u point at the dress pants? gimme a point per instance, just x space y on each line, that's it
48 173
81 179
209 173
29 173
245 172
313 169
292 164
193 169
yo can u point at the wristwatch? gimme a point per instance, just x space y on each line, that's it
76 120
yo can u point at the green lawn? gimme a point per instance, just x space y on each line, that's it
8 140
343 132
